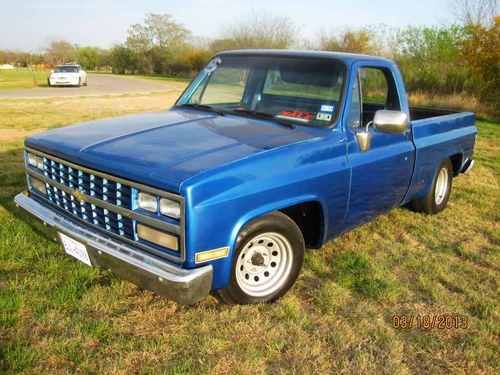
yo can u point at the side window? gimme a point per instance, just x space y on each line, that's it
354 118
379 91
375 87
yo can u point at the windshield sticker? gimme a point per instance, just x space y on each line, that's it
213 64
322 116
296 115
327 108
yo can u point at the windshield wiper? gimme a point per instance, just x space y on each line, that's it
203 107
264 115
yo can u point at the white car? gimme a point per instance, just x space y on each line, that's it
68 75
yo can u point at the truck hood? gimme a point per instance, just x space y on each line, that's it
164 149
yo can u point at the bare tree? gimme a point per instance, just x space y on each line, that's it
475 12
60 51
158 30
350 40
259 31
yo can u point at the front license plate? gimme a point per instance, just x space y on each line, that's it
75 249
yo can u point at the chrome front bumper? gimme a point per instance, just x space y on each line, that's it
182 285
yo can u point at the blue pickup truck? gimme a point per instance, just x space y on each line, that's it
265 154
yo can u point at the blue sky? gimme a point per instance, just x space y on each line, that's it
31 25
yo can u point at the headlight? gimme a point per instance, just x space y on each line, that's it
159 238
38 185
170 208
147 202
35 160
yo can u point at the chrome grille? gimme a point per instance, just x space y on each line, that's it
95 186
107 202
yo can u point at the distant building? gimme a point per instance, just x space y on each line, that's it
6 66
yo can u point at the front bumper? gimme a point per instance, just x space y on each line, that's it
63 82
182 285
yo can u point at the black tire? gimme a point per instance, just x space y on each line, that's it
277 223
79 82
429 204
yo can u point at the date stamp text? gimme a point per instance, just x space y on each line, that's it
430 321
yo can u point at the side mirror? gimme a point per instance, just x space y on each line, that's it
364 140
393 122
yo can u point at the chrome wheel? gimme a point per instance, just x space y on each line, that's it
441 186
264 264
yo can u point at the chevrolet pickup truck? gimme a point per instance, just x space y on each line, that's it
265 154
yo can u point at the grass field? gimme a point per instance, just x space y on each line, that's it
23 78
59 316
156 77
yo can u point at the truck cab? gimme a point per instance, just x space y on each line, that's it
265 154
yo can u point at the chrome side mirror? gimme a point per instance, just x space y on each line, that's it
393 122
364 138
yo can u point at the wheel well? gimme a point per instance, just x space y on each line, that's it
456 161
309 218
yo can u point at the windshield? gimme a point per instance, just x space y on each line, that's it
66 69
299 90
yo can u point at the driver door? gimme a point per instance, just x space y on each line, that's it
380 176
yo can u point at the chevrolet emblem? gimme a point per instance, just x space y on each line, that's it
79 195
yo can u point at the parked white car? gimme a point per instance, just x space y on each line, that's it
68 75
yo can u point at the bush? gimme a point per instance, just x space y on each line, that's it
481 52
123 60
430 58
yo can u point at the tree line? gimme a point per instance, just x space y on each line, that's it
459 58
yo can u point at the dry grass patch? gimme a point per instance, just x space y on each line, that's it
460 102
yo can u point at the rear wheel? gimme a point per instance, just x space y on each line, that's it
268 259
436 199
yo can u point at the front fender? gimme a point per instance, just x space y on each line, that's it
276 206
219 203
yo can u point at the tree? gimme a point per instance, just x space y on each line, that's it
430 58
123 60
475 12
159 36
481 52
356 41
259 31
90 58
60 52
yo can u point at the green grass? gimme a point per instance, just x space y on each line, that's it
59 316
22 78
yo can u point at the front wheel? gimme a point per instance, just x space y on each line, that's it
437 198
268 259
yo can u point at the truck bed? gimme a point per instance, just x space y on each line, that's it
439 134
421 113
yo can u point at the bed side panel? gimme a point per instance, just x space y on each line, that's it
436 139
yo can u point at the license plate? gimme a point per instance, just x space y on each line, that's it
75 249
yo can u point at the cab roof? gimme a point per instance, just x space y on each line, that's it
348 58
